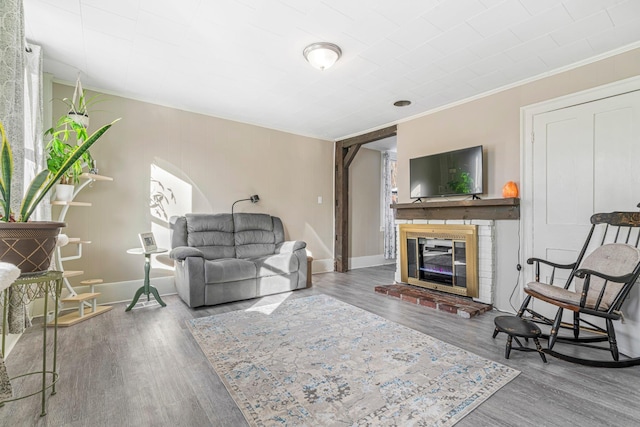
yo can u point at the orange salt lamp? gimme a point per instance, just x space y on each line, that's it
510 189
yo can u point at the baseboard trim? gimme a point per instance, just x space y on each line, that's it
118 292
369 261
326 265
322 266
115 292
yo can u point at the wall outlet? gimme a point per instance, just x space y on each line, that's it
319 200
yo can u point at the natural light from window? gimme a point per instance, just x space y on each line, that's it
168 196
268 305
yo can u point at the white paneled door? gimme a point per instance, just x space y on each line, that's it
586 159
583 159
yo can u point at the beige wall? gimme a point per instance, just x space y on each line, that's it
494 121
364 204
220 160
224 161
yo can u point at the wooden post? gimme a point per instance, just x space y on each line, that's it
340 262
346 151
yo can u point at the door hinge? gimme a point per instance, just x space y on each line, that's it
533 137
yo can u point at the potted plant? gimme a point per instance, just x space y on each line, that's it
30 244
79 105
59 149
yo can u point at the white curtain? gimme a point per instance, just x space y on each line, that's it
34 160
389 214
12 47
21 115
12 65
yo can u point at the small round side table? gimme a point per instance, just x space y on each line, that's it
147 288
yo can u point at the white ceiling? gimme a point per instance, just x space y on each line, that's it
385 144
242 59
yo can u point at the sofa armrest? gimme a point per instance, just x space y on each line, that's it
290 246
190 282
182 252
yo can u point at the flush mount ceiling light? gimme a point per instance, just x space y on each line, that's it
322 55
402 103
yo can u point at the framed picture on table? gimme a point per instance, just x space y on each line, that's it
148 242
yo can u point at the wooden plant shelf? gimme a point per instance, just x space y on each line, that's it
82 297
95 177
90 282
74 317
78 240
72 273
63 203
86 304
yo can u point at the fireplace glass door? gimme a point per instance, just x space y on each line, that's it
441 259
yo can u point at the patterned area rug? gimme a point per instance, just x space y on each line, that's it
318 361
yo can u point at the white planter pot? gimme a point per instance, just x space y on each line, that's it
64 192
83 119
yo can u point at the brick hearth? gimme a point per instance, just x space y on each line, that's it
463 307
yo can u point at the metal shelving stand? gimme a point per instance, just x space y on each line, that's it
25 289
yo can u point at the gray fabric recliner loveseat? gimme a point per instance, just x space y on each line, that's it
222 258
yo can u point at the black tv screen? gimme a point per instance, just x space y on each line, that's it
452 173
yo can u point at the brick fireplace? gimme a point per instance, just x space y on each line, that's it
483 215
478 236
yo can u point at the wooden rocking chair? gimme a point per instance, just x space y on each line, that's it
601 278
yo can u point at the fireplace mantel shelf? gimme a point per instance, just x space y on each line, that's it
492 209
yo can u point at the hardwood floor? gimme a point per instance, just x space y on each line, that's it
143 368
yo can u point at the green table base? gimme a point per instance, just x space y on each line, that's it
28 287
146 289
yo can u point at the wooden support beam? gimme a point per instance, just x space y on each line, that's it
341 256
350 155
370 137
346 151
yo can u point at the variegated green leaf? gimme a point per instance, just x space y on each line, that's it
32 192
51 180
6 165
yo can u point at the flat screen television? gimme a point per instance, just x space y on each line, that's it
454 173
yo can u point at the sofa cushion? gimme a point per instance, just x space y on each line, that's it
278 229
182 252
278 283
290 246
253 221
178 226
271 265
252 250
228 270
212 234
254 236
220 293
217 252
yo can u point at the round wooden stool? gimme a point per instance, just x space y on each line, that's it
517 327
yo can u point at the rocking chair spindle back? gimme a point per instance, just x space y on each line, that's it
598 284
